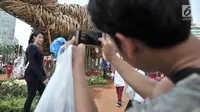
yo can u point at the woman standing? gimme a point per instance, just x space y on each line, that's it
35 75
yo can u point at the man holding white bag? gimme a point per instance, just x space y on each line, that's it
164 47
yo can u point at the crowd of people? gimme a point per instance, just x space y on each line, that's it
120 84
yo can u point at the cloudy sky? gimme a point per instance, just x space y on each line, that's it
23 30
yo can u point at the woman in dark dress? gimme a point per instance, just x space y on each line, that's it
35 75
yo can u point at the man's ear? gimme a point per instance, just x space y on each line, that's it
127 46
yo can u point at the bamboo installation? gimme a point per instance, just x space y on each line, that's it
57 20
60 19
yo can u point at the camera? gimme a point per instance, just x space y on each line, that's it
89 38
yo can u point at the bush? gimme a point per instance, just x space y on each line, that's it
96 80
15 105
12 88
13 95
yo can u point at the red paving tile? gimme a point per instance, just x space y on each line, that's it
106 99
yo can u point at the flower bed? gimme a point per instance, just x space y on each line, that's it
96 81
92 74
12 88
13 95
14 104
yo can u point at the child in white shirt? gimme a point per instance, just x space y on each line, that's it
119 84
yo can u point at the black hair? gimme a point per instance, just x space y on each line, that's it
34 34
157 23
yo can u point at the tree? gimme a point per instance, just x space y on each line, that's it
8 52
20 50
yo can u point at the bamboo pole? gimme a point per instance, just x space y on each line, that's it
18 50
52 59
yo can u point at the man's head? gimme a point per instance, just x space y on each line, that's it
140 28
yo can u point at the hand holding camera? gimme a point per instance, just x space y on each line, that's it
46 81
89 38
95 38
108 49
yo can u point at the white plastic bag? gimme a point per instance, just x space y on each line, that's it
129 93
59 93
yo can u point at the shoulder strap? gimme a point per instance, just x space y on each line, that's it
182 74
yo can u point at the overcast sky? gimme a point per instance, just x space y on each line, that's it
23 30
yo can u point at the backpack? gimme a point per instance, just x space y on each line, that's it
20 67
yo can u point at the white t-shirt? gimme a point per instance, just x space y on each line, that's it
137 97
118 80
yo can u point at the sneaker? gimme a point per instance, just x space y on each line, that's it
119 104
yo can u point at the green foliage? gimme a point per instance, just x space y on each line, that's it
13 95
15 104
8 52
12 88
96 80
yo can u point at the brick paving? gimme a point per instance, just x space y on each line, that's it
3 76
105 98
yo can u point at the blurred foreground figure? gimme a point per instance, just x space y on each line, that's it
164 46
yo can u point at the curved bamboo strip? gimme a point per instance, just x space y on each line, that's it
80 13
40 18
49 4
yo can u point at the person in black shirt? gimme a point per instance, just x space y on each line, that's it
35 75
152 35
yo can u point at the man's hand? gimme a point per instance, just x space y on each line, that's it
78 53
78 56
79 80
108 49
70 42
46 81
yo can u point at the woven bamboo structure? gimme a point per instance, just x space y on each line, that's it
47 15
60 19
49 4
57 20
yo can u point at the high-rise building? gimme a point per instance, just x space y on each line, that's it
7 28
195 30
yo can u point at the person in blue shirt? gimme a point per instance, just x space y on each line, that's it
105 68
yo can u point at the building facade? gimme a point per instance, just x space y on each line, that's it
195 30
7 28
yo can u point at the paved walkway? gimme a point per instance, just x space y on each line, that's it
106 100
3 76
